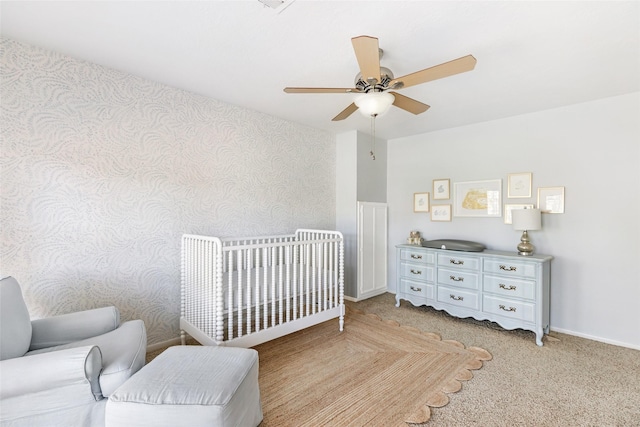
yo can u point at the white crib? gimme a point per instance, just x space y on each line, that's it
245 291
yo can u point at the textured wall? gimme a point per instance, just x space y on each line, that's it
103 171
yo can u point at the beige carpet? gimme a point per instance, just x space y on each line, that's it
375 373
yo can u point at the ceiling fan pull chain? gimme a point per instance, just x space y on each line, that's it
373 137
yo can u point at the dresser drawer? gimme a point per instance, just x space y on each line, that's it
417 256
458 262
512 309
461 279
418 289
423 273
510 267
458 297
509 287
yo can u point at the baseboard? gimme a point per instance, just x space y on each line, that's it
595 338
364 297
163 344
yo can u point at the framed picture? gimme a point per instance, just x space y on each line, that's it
551 199
519 185
441 189
478 198
511 206
421 202
441 213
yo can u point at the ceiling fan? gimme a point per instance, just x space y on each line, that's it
376 83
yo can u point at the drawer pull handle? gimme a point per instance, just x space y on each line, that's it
507 288
413 256
510 268
502 307
415 271
455 298
414 289
456 261
456 279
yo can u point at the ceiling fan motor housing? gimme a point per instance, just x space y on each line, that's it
386 76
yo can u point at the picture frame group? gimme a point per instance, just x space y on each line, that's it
483 198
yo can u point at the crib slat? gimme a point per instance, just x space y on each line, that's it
265 307
314 284
288 281
248 300
307 289
230 294
294 284
273 285
257 290
277 303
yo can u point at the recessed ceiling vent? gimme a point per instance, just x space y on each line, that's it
273 4
277 5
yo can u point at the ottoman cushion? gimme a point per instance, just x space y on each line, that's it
191 386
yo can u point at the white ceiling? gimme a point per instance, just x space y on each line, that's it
531 55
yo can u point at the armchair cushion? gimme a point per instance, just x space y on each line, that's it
55 370
123 353
15 324
49 382
71 327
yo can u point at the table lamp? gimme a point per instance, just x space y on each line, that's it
526 220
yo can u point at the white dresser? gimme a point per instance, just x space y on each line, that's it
503 287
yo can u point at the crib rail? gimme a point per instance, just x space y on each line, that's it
240 287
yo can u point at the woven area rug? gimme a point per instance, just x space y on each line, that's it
375 373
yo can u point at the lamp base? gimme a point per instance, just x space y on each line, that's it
525 248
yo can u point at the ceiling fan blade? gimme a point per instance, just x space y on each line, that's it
345 113
409 104
368 56
320 90
460 65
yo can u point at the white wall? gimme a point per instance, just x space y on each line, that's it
372 174
593 150
358 178
102 172
346 198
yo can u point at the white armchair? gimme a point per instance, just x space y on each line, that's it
58 371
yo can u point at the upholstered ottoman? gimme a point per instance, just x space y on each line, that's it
190 386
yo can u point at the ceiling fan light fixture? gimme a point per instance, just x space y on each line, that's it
374 103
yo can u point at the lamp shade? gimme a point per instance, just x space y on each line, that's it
526 219
374 103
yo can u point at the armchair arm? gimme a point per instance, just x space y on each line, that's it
71 327
70 375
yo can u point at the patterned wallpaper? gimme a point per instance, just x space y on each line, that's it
103 171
